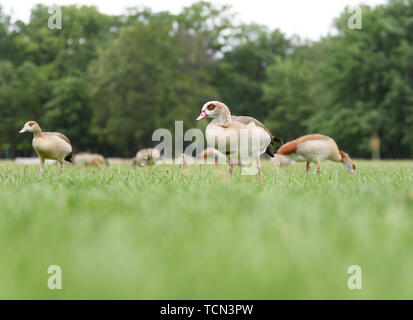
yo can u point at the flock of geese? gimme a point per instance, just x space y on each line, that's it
312 148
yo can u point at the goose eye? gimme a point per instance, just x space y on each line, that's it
211 107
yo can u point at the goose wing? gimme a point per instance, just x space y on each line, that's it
291 147
58 134
247 120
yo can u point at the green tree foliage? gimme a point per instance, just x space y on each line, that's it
139 86
156 72
368 75
70 111
50 81
109 81
6 43
23 92
242 71
69 50
288 95
8 106
203 30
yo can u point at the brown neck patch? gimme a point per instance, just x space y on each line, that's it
224 116
343 155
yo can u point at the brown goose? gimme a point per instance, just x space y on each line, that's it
316 148
146 157
49 145
241 137
90 159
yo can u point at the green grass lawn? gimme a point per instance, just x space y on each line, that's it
169 233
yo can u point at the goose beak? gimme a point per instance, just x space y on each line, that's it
202 116
23 130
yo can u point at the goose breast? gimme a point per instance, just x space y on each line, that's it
238 138
51 146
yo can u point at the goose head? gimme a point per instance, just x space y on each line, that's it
214 109
348 163
30 126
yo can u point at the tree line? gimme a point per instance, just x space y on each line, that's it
108 81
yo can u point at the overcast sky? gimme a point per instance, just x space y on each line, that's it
307 18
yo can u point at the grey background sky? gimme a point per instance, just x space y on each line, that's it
307 18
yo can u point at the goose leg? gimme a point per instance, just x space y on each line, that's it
61 167
307 167
230 170
259 168
318 167
41 166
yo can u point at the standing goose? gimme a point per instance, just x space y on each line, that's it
49 145
316 148
240 137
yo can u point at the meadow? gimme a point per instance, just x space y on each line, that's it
173 233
